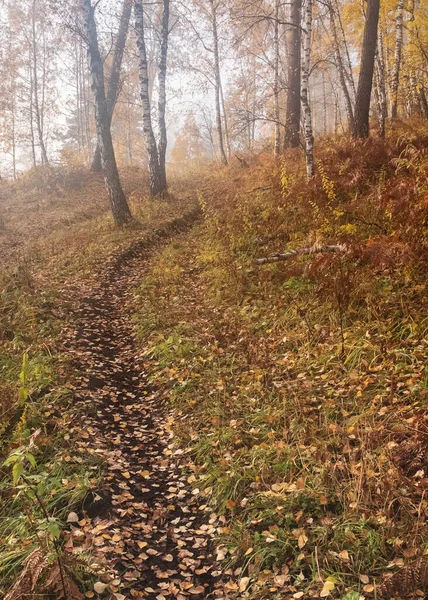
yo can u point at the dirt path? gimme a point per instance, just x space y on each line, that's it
151 528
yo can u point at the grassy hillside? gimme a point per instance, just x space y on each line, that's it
300 387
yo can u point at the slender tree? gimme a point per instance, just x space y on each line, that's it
341 67
381 86
292 118
38 114
119 205
277 141
163 140
395 77
365 81
114 79
217 81
309 135
157 185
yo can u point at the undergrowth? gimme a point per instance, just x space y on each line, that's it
50 245
300 387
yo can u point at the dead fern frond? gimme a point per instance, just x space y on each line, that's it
34 565
61 584
406 581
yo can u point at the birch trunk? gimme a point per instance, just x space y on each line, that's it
217 81
277 142
152 150
114 79
365 81
309 135
292 127
31 112
341 69
395 76
119 205
35 81
225 120
381 87
163 140
348 66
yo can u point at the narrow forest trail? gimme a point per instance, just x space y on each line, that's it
151 528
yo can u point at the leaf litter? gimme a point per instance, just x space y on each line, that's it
148 528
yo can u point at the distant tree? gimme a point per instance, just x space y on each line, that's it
119 205
365 81
189 145
217 79
292 117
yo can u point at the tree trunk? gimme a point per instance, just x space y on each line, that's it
395 77
341 69
381 86
119 205
348 70
423 100
365 80
225 120
277 140
152 150
309 135
292 127
31 112
217 84
114 79
163 140
37 113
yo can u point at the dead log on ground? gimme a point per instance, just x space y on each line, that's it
299 252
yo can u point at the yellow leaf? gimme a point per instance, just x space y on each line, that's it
327 588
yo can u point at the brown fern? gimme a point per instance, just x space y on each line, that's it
25 585
62 585
406 581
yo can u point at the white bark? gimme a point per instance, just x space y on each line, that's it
277 142
309 135
154 170
395 77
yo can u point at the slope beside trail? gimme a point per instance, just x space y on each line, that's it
154 532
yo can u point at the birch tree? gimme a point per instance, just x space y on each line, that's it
277 141
119 205
217 81
157 176
395 77
114 79
292 126
340 66
309 135
163 140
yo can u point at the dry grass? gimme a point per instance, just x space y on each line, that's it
300 387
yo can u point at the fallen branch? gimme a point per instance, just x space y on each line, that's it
298 252
261 188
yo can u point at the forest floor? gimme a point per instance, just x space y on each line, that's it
156 537
194 424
